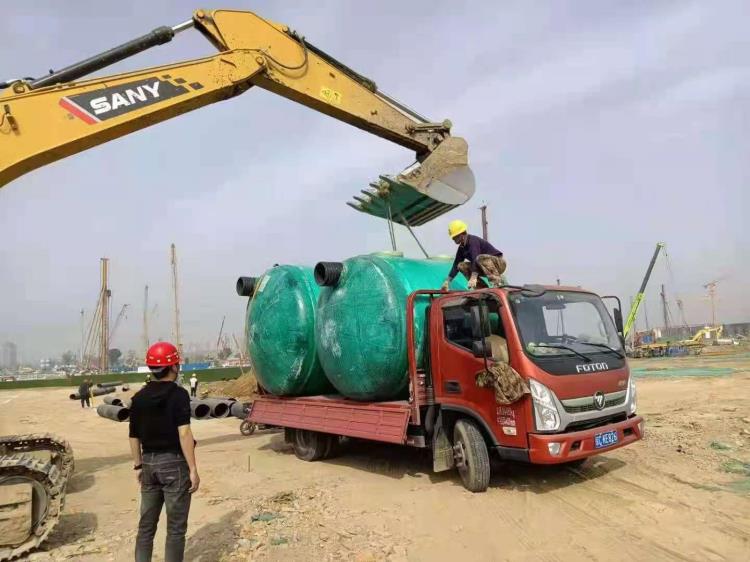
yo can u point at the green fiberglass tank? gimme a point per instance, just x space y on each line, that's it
280 331
361 330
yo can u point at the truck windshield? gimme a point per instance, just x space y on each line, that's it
560 323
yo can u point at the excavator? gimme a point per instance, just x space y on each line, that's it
48 118
45 119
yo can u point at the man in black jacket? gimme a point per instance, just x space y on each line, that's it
84 392
163 451
475 256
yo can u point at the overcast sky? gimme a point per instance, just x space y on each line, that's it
595 128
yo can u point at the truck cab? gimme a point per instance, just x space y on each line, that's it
563 342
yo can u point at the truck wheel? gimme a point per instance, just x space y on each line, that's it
333 446
310 445
472 458
247 428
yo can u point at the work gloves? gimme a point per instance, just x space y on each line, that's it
472 283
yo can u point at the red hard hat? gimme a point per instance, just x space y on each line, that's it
162 354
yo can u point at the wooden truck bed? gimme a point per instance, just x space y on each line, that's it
379 421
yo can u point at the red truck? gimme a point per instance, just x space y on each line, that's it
562 340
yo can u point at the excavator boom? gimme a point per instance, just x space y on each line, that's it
55 116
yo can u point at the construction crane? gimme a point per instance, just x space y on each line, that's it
218 340
60 114
639 296
118 321
711 286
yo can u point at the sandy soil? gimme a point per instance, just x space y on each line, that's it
683 493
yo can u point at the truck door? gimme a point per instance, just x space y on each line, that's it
455 368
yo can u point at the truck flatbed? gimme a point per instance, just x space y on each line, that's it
333 414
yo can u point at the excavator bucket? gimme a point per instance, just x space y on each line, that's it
424 191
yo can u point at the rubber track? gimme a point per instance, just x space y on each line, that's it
51 478
53 475
60 450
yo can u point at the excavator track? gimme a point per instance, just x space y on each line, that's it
48 479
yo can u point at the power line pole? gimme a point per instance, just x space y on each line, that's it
483 208
177 336
106 294
83 337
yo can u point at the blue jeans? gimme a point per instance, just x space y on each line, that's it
165 480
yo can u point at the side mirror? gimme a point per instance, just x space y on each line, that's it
480 321
481 349
618 320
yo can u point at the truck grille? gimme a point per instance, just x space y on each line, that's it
589 424
579 405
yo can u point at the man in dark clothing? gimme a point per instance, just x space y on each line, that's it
475 256
84 391
163 451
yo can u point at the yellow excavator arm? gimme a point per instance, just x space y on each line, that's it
55 116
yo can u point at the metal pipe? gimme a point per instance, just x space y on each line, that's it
408 227
112 401
106 384
158 36
239 410
116 413
200 411
94 392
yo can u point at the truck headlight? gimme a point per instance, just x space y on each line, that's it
546 415
633 395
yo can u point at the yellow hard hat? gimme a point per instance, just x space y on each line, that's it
457 227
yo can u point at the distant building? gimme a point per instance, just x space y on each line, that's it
9 356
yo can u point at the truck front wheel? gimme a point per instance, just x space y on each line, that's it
472 458
310 445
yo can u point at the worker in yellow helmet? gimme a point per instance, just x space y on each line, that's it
474 257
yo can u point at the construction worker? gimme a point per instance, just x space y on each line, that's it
84 392
193 386
163 452
475 256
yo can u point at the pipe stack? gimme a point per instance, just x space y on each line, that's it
219 408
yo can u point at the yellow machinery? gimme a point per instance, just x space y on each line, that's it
698 340
43 120
692 346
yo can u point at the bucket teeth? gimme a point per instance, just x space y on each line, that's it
422 192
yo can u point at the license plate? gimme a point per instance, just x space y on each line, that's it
605 439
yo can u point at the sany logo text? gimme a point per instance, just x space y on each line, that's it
99 105
128 97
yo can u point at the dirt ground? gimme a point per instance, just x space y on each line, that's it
683 493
